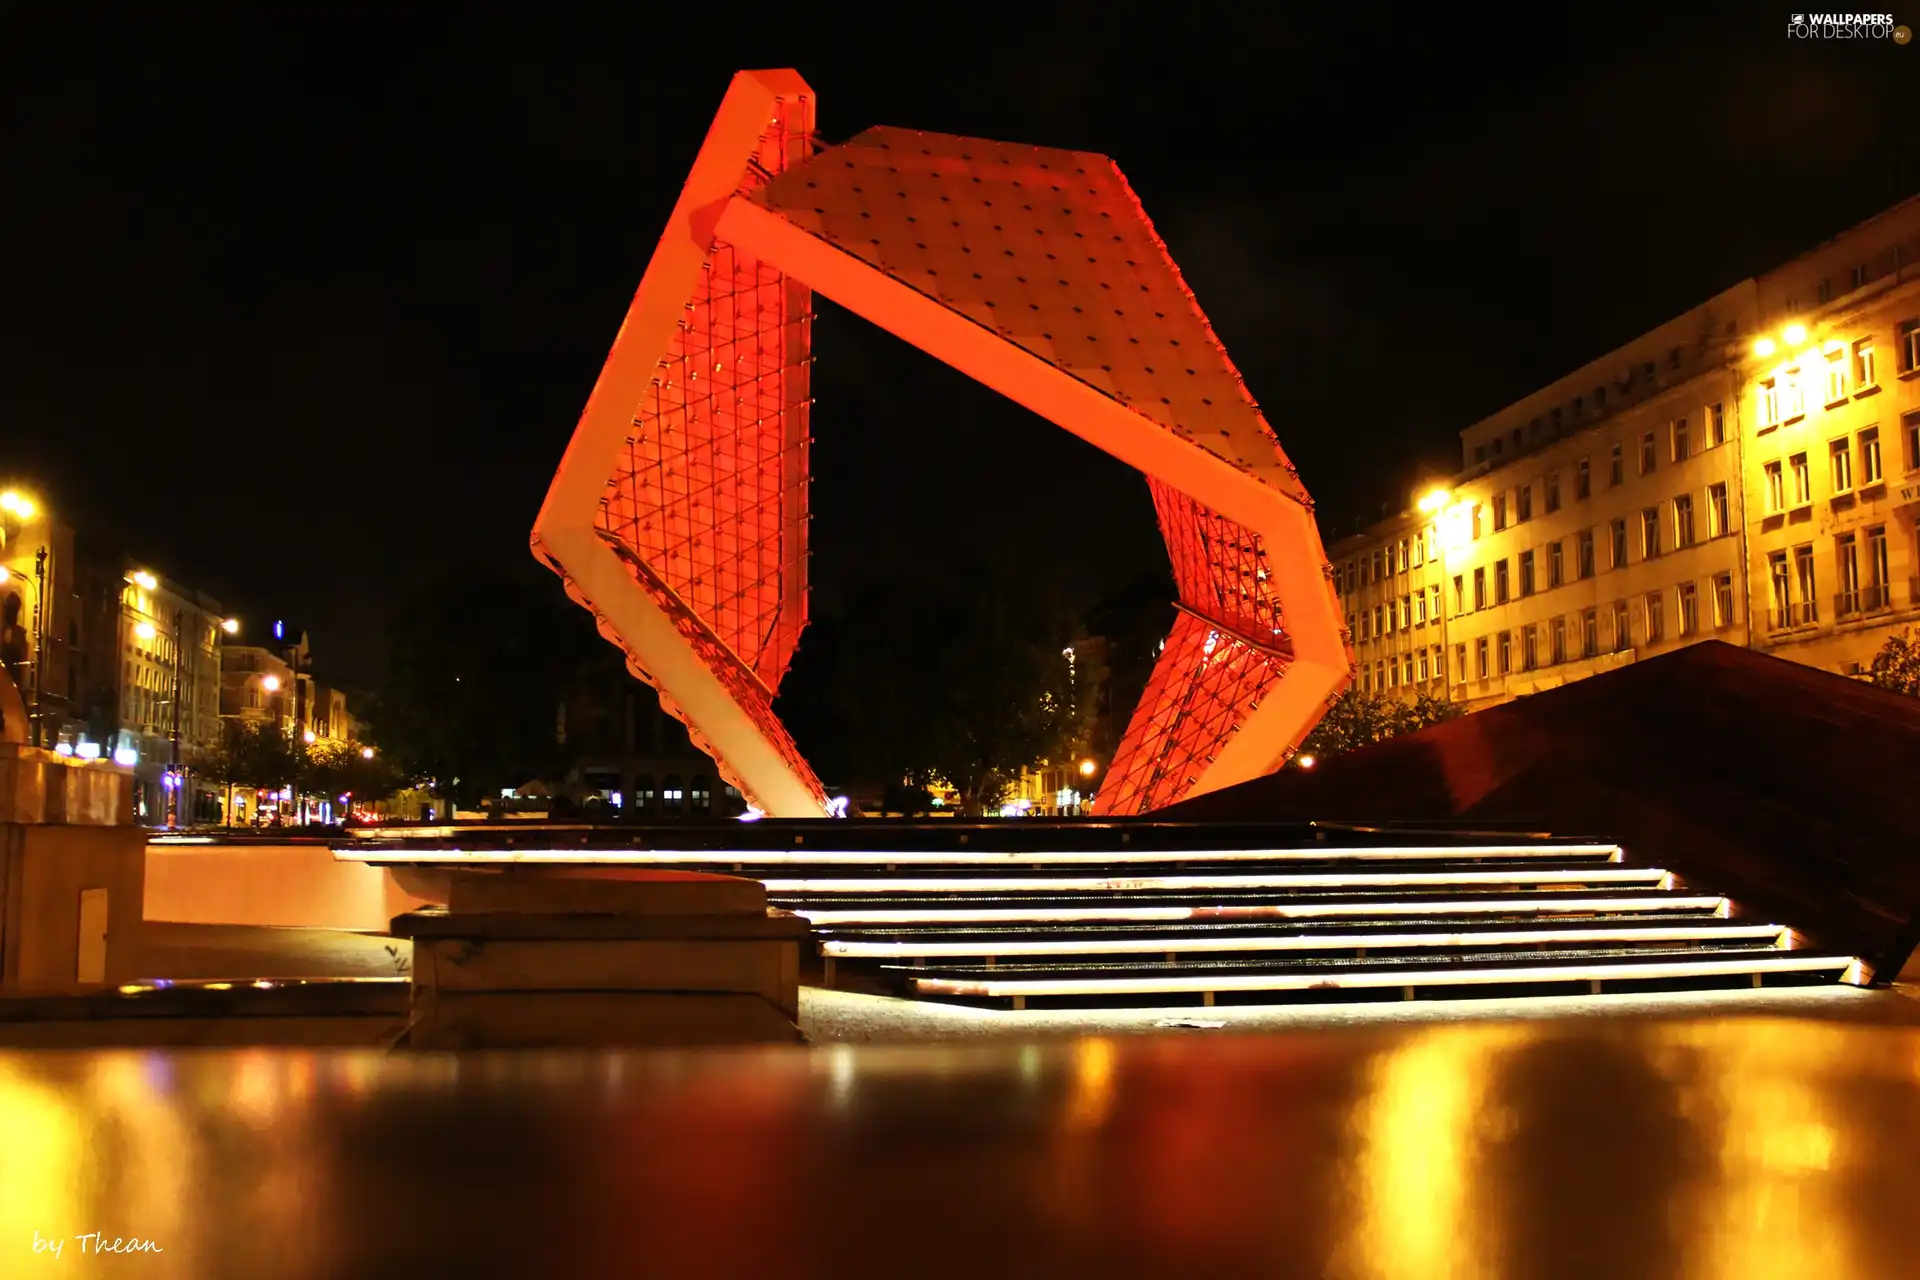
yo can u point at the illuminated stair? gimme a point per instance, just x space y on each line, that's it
1068 926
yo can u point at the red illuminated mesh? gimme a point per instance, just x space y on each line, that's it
740 685
1220 566
1049 249
711 492
1203 687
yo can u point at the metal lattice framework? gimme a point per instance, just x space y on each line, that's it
679 512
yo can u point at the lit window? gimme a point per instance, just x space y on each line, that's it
1499 512
1530 648
1716 424
1501 590
1793 396
1910 346
1656 618
1523 503
1802 479
1589 632
1480 588
1460 659
1769 402
1433 601
1840 455
1836 375
1424 677
1622 626
1618 533
1912 423
1722 599
1459 593
1846 563
1506 653
1683 520
1556 568
1526 573
1870 457
1585 565
1877 594
1476 522
1420 609
1480 657
1804 576
1863 370
1780 583
1559 632
1403 556
1406 668
1689 609
1649 533
1776 489
1419 551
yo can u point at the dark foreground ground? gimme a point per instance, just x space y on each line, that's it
1610 1146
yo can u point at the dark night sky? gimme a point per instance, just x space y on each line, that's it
306 313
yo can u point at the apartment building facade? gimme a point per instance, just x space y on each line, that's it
1749 471
1833 481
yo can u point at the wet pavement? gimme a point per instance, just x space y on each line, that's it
1749 1147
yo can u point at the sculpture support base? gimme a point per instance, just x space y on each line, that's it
602 959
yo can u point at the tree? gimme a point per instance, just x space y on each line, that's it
478 666
1359 720
334 769
1897 665
964 679
255 755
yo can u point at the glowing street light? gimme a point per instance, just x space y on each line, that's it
144 630
1795 334
366 753
1764 348
1433 500
145 580
1086 768
18 504
1307 762
309 737
270 683
230 625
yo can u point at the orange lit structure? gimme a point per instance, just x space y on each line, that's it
678 515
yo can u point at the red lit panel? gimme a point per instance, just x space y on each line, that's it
1034 271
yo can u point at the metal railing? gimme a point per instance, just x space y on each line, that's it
1803 614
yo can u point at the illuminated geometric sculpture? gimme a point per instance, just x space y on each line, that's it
678 515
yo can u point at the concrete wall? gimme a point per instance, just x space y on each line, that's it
285 885
69 906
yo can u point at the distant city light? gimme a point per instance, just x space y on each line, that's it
231 626
1306 762
145 580
1433 499
125 757
17 504
279 631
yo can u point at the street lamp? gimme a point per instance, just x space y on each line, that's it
18 505
230 625
366 753
145 581
1087 767
270 683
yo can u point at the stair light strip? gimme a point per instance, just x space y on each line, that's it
1646 877
1184 944
971 857
1543 905
1779 962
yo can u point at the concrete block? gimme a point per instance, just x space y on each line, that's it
69 906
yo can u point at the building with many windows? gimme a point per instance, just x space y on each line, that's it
1749 471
